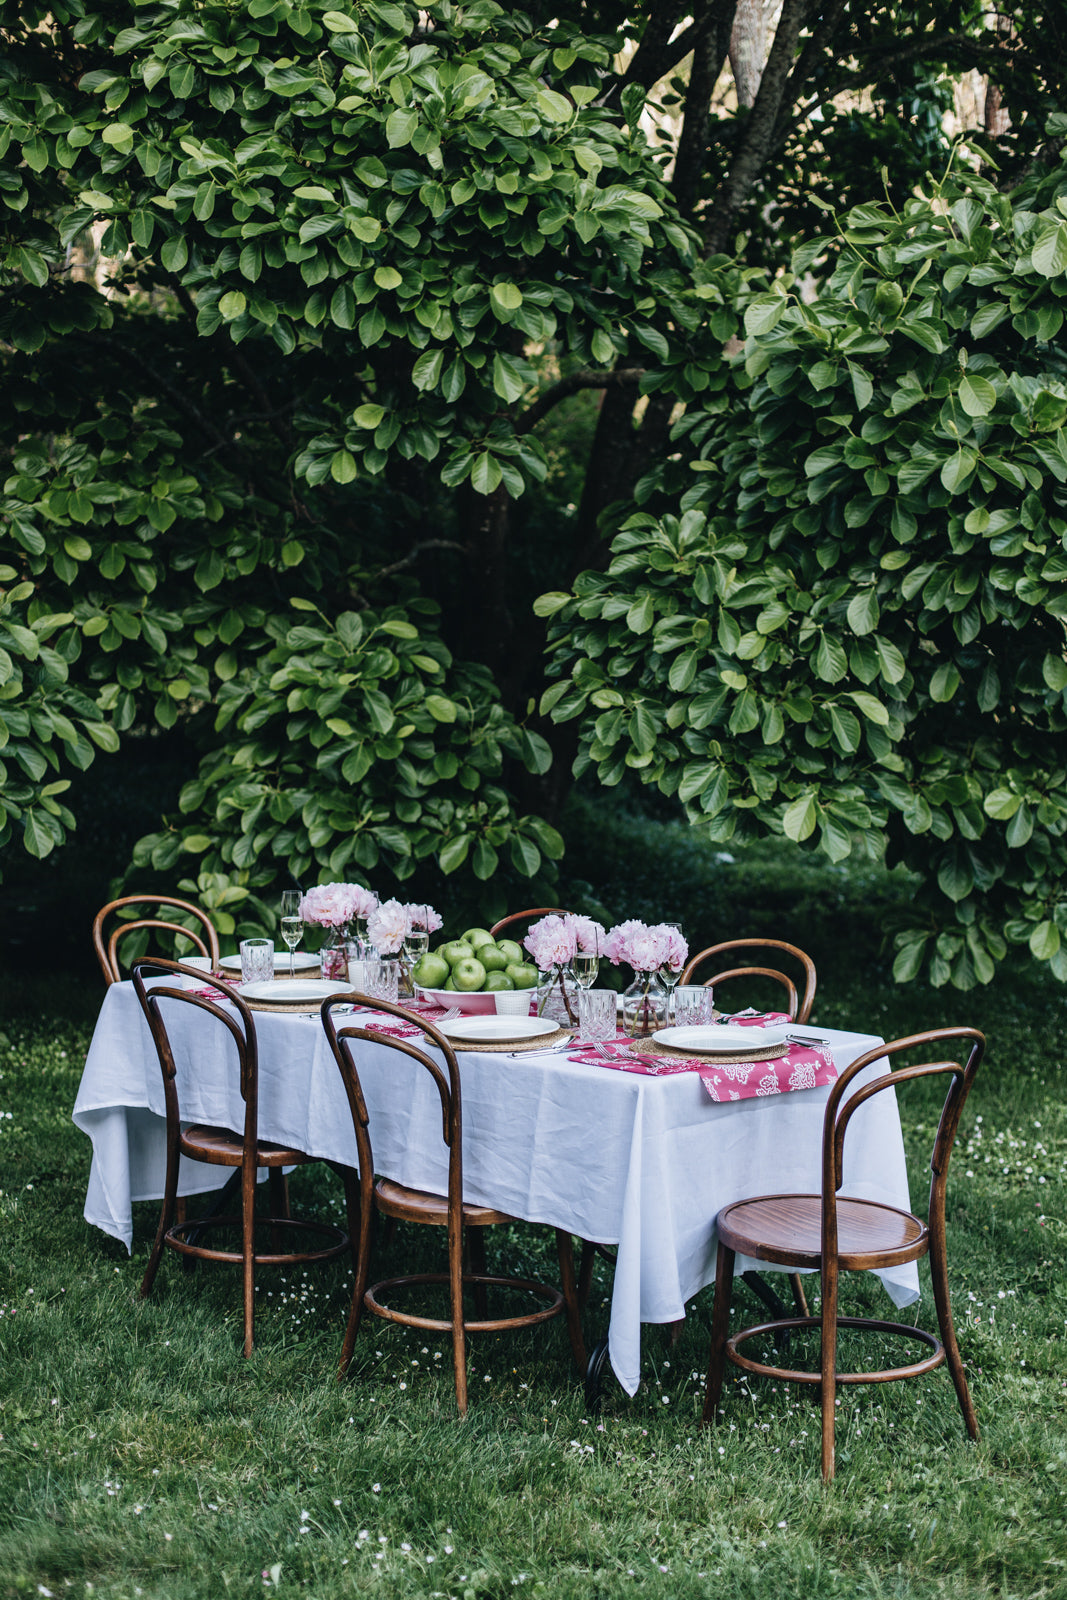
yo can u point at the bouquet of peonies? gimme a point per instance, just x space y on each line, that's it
387 927
646 948
423 919
333 905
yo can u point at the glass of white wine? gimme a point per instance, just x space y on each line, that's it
292 922
586 965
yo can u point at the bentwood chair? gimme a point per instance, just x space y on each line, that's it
224 1147
106 940
448 1211
509 926
799 1008
833 1234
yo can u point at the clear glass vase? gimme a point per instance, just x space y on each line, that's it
557 996
333 953
644 1005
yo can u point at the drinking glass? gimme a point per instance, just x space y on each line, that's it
693 1005
257 960
585 966
292 922
597 1017
669 976
381 980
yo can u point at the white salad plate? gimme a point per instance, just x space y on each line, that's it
301 958
496 1030
285 991
716 1039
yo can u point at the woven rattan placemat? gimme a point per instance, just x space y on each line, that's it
761 1052
543 1041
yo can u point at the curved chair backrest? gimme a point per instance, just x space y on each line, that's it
341 1041
106 944
843 1103
531 915
242 1030
799 1006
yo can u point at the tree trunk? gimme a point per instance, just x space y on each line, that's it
748 50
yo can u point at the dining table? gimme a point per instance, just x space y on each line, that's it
638 1160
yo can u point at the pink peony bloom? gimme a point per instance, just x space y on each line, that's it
646 947
333 904
387 927
552 942
591 936
364 900
677 949
423 917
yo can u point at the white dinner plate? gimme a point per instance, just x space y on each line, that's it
497 1030
301 958
713 1039
284 991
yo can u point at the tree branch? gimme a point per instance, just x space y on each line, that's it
757 133
690 158
416 549
585 378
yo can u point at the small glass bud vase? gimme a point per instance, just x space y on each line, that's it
557 996
333 955
644 1005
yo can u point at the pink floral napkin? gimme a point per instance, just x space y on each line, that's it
802 1067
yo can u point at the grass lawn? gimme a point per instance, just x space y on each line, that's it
140 1455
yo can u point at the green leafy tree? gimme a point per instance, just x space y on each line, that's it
842 614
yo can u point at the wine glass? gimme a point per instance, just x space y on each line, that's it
585 965
669 976
292 922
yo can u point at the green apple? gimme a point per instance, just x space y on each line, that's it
476 937
448 984
468 974
498 980
492 957
430 971
455 950
513 951
522 975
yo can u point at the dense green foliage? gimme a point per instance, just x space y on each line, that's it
843 613
310 230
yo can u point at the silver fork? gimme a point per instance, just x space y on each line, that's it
608 1052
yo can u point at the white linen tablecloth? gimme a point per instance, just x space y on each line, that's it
642 1163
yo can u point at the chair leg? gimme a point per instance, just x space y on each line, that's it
360 1232
939 1279
800 1299
828 1361
248 1249
278 1187
720 1327
565 1247
585 1272
474 1238
455 1294
166 1215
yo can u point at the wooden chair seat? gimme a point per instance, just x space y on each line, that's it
787 1229
221 1147
416 1205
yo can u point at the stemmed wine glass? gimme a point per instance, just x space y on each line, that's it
669 976
292 922
585 965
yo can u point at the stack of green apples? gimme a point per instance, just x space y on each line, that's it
475 961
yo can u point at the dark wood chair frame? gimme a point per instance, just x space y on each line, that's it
107 948
832 1233
393 1200
526 916
222 1147
799 1008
